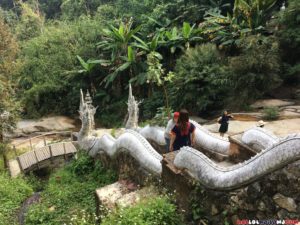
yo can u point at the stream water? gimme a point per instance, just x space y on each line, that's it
35 198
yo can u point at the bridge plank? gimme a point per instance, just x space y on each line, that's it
70 148
43 153
27 160
32 158
57 149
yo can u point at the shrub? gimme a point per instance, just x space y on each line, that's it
161 118
271 113
199 81
151 211
112 114
48 79
12 193
70 192
150 105
256 70
289 37
82 165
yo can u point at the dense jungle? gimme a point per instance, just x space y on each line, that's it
201 55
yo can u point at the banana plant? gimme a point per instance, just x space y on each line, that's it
116 40
177 39
151 46
173 39
88 65
188 32
253 13
128 63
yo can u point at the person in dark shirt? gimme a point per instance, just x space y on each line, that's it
224 121
183 133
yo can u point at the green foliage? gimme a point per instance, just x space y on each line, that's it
69 192
180 39
12 193
73 9
83 165
162 117
222 30
113 132
7 4
155 72
197 200
271 113
256 70
199 81
151 211
45 79
249 17
116 42
106 118
37 184
151 104
8 105
253 14
51 8
83 218
289 37
143 41
31 23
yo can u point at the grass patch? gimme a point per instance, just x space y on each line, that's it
158 210
1 163
12 193
70 192
271 113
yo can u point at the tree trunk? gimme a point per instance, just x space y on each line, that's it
5 160
167 101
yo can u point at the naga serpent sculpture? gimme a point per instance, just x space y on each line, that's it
277 154
211 175
130 141
259 138
203 138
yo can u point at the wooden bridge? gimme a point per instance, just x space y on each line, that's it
41 140
41 157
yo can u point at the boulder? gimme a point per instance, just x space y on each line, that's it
287 113
198 119
297 94
234 127
285 202
122 194
271 103
280 128
49 124
114 132
214 210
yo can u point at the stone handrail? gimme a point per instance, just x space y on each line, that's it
280 154
259 138
155 134
203 138
131 142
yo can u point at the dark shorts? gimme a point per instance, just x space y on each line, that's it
223 128
167 144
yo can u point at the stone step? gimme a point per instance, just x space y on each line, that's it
121 194
14 168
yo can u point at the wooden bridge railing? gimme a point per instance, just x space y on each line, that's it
31 140
35 157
